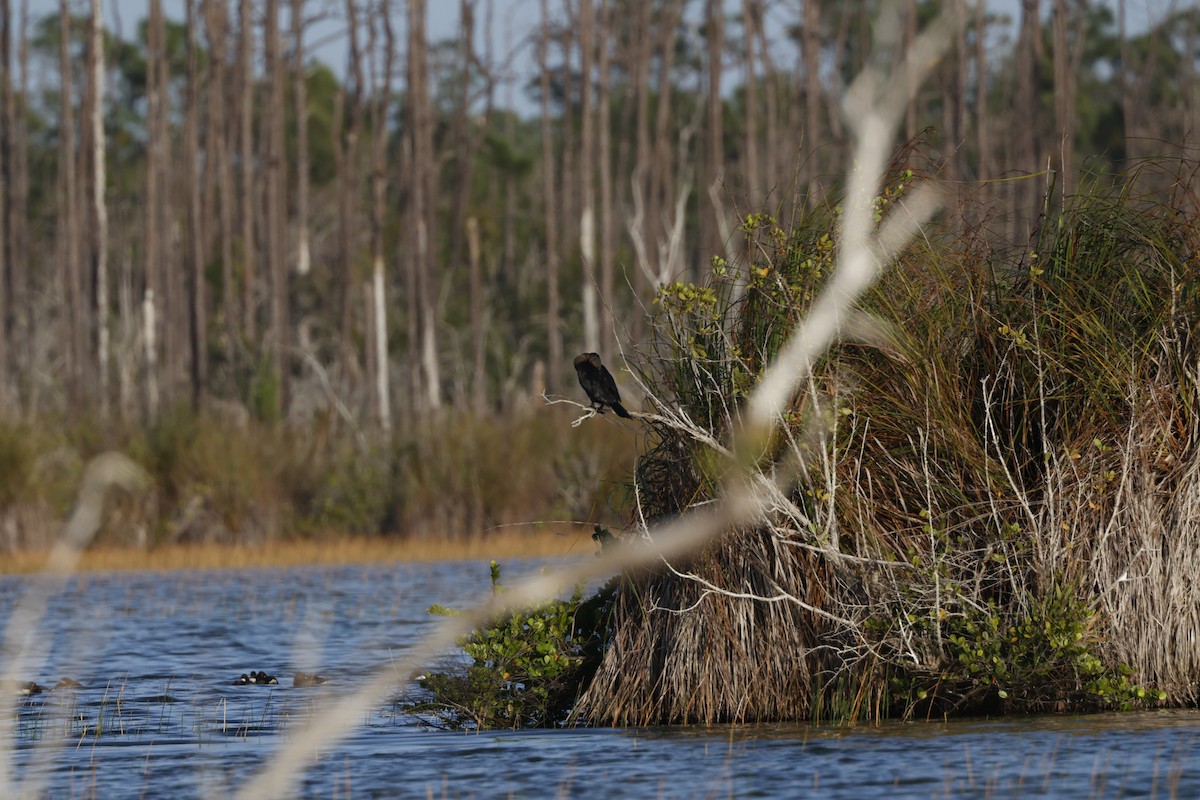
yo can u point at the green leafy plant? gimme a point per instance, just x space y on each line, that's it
525 669
1042 660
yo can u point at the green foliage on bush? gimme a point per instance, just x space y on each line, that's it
526 669
1045 659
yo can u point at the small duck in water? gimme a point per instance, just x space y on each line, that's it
22 687
308 679
255 678
68 683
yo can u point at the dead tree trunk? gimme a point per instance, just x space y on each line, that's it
549 209
300 101
248 188
587 174
810 43
275 209
345 148
604 145
475 288
714 173
383 90
774 163
1028 141
16 187
750 170
99 206
6 191
982 141
155 164
643 173
422 184
662 195
218 137
68 218
196 256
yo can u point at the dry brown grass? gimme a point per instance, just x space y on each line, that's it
348 550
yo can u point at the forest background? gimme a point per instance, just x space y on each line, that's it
344 320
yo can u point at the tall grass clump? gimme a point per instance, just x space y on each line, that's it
984 492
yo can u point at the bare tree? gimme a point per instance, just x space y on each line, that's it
467 137
197 318
6 191
774 161
99 206
475 289
300 101
218 137
983 143
549 208
155 166
750 170
663 190
421 176
569 201
1064 95
274 207
68 214
248 188
346 123
957 140
810 44
1127 116
1028 142
643 174
587 177
383 90
714 173
910 34
604 145
16 188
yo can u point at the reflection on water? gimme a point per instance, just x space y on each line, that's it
158 717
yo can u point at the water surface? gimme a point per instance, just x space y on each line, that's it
157 716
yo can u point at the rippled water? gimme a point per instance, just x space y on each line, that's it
157 716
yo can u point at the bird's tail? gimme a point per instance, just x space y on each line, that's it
621 412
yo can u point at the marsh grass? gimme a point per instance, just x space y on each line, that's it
457 478
982 482
111 713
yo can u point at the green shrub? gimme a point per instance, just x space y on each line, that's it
526 669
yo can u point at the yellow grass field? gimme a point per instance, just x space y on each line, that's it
333 550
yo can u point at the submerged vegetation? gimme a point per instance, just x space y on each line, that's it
993 482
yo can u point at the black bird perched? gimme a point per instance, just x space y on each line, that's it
598 382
